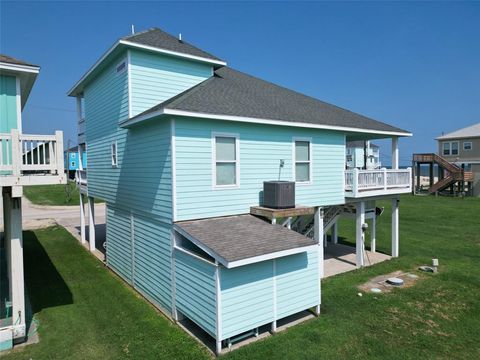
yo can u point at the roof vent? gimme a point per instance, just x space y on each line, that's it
180 37
133 29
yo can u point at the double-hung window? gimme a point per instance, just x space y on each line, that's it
226 160
446 148
454 147
450 148
303 161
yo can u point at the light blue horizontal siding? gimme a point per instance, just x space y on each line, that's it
152 265
119 242
247 297
156 78
261 148
297 283
195 291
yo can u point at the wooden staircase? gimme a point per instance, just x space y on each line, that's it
453 173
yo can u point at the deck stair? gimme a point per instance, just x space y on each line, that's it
453 174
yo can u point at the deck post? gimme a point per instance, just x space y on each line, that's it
82 219
373 234
318 236
430 175
359 238
12 208
91 223
395 223
335 232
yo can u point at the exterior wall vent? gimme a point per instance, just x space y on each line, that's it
279 194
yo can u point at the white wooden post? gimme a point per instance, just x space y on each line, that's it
373 234
395 225
335 233
91 223
318 236
355 182
395 153
16 153
218 315
82 219
14 254
59 152
360 220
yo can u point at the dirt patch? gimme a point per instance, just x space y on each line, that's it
380 282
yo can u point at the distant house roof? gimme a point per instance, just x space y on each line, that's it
25 72
154 40
467 132
10 60
360 143
244 239
231 93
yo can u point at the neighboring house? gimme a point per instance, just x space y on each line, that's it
462 147
179 145
25 160
458 163
355 155
72 163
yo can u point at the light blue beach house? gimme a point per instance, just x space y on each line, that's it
179 145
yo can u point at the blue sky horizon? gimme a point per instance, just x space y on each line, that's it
413 65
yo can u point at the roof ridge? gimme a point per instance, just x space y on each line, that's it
140 32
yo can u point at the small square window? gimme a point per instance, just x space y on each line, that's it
121 67
467 145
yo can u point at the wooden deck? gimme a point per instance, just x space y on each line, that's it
281 213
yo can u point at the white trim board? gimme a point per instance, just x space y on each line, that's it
18 67
18 104
130 122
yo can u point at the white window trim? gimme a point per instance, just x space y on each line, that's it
468 142
214 161
114 163
310 153
450 148
124 60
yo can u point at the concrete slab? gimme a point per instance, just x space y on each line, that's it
340 258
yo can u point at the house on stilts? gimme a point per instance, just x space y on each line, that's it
179 147
25 160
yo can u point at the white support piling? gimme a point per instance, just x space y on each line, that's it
14 254
373 234
318 237
91 223
82 219
359 238
335 233
395 223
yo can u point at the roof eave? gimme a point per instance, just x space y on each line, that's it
165 111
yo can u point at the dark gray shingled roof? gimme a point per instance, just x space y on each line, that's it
233 93
11 60
160 39
241 237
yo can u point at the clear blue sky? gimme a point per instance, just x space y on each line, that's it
414 65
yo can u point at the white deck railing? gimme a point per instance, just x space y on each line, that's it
361 183
30 155
81 177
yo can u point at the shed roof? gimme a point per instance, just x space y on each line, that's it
466 132
233 93
243 239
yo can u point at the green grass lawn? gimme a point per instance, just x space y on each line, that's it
53 194
85 312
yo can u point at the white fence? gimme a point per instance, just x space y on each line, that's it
388 181
22 154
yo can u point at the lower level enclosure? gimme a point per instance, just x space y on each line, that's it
224 302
